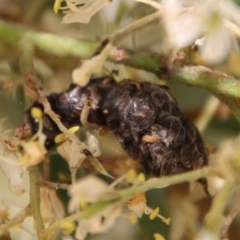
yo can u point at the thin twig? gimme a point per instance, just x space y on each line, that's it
16 220
215 215
151 3
137 24
26 65
208 110
229 219
56 185
34 193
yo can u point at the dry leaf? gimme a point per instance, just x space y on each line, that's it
70 151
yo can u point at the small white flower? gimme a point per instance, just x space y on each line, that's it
137 204
71 153
87 191
212 20
183 25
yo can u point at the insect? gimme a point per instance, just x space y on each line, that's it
144 116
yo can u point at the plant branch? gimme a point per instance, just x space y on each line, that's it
229 219
208 110
126 194
137 24
225 87
16 220
233 104
56 45
166 181
212 80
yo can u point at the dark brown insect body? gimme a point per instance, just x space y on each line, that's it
144 116
150 126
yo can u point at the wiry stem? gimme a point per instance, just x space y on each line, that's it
215 216
229 219
137 24
16 220
208 110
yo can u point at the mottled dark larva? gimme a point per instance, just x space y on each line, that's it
144 116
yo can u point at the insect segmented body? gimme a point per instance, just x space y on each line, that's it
150 126
144 116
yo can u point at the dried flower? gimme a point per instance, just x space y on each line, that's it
81 75
137 204
71 151
90 190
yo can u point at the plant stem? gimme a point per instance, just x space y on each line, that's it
166 181
225 87
125 195
231 216
208 110
35 179
49 43
215 215
214 81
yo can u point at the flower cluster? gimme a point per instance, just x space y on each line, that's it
90 190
